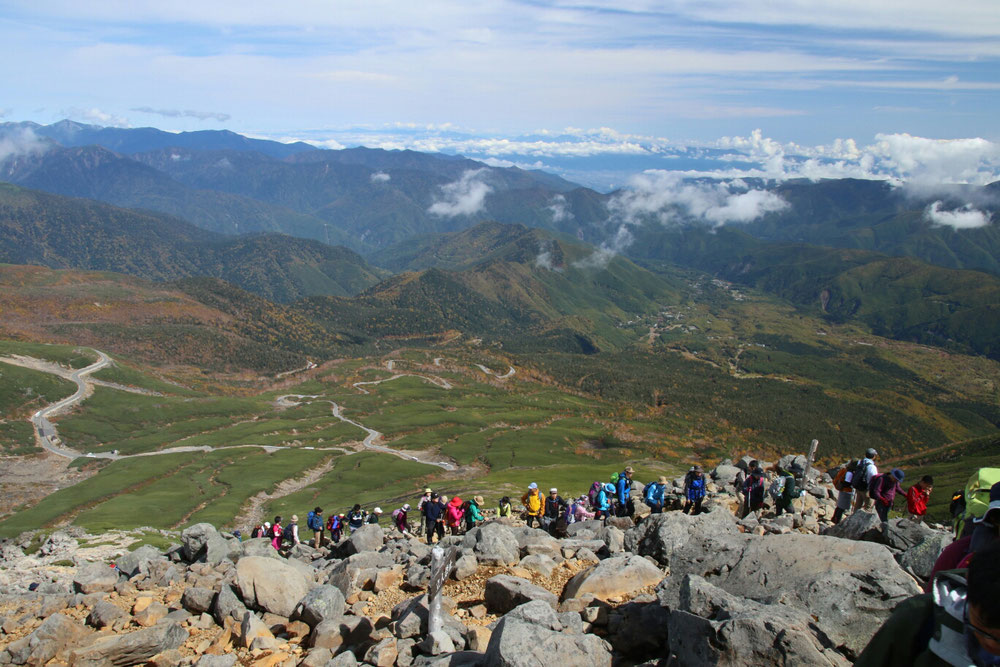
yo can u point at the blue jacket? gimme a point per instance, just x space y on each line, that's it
433 511
695 487
654 495
603 501
624 488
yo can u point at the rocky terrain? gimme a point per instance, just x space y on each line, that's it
667 589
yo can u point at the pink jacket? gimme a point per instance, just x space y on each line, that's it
453 515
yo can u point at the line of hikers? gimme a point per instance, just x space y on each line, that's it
860 486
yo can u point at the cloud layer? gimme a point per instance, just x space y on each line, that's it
466 196
965 217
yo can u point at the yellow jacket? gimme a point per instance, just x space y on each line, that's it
534 502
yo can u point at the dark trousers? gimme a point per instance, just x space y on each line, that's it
434 527
696 504
532 518
628 509
882 510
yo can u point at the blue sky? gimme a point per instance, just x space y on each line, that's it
531 83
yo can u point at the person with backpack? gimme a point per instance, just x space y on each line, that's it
335 526
424 499
534 504
917 497
505 510
580 511
883 490
845 492
783 491
434 518
624 491
861 480
653 495
604 498
276 533
554 506
694 489
261 530
373 518
984 531
314 521
399 519
473 513
355 518
753 490
957 623
291 532
453 515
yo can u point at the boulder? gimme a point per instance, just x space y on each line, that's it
858 526
138 561
584 529
202 543
538 542
493 543
661 535
366 538
271 585
197 600
131 649
346 631
227 660
538 612
254 632
53 636
106 615
613 538
259 546
904 534
95 578
410 617
712 627
616 577
504 592
920 559
358 572
59 545
517 643
725 474
322 603
465 567
642 634
227 605
382 654
539 563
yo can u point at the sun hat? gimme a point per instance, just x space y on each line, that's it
532 486
479 500
629 469
898 474
378 510
406 507
295 517
427 490
662 480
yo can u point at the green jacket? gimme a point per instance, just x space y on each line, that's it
474 513
923 631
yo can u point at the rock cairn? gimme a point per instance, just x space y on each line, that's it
667 589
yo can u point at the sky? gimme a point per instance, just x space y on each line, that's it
592 90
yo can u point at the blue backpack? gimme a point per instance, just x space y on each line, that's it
314 522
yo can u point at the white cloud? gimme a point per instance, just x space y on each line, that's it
186 113
380 177
95 116
23 141
666 197
559 209
965 217
466 196
607 251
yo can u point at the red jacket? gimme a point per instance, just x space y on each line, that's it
916 500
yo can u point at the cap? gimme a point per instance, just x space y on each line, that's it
378 510
341 516
662 480
898 474
406 507
553 490
629 469
870 453
532 486
295 517
267 524
697 469
434 495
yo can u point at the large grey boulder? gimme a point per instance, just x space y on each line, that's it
537 611
259 546
661 535
227 605
519 643
858 526
202 543
903 534
614 578
712 627
322 603
131 649
270 585
504 592
920 559
138 561
95 578
54 635
725 474
366 538
613 538
104 615
493 543
358 571
642 633
849 587
197 600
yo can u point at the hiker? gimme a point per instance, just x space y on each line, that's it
314 521
473 513
580 512
261 530
372 519
553 509
624 490
883 490
985 530
399 519
335 526
505 509
783 491
862 478
653 495
355 518
434 518
534 504
753 490
424 499
957 623
694 489
603 507
291 532
917 497
845 492
276 532
453 515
